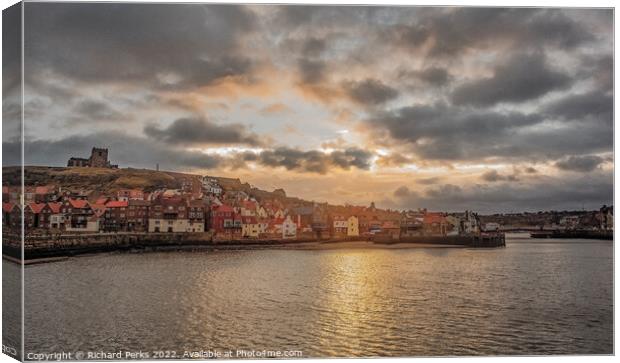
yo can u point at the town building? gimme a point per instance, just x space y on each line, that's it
196 216
57 219
353 229
225 221
11 216
339 225
138 215
126 195
435 224
289 228
606 216
77 214
32 215
210 185
115 216
169 215
250 227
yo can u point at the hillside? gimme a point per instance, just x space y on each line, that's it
108 181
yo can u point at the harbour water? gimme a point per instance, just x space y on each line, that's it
532 297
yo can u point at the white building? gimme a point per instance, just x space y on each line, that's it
353 226
211 186
175 225
289 228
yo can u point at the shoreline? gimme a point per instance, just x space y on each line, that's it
63 255
51 248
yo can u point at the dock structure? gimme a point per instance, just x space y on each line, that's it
47 246
575 233
489 240
485 239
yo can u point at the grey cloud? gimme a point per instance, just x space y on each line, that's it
130 151
102 42
494 176
313 47
585 163
523 77
449 32
442 132
311 71
124 149
590 192
370 92
433 76
197 131
319 17
403 192
92 111
11 49
595 104
309 161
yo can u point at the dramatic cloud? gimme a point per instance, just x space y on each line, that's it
560 194
593 104
522 78
192 44
370 92
194 131
310 161
584 163
494 176
124 149
453 104
404 192
433 76
312 71
88 111
442 132
449 32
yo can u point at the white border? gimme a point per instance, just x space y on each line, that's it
489 3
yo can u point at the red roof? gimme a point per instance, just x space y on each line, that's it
36 207
8 207
101 200
99 209
249 220
116 204
389 224
223 208
55 207
276 221
430 218
42 190
249 204
78 203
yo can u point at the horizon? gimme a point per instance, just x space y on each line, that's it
409 107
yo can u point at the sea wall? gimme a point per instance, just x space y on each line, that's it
54 245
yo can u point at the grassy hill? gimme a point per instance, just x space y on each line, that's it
100 179
107 181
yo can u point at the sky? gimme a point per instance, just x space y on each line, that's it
445 108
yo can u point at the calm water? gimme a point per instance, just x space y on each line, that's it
532 297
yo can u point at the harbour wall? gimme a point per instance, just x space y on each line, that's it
46 246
